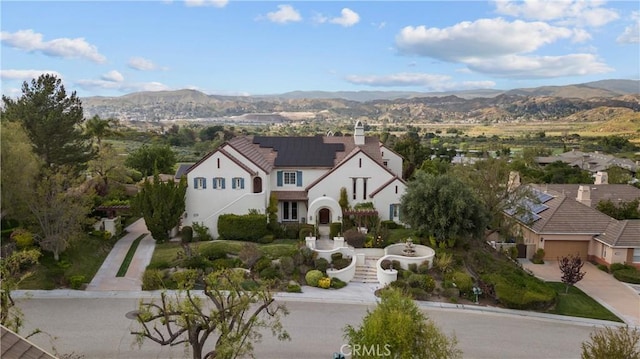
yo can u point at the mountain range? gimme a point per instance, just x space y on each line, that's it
539 103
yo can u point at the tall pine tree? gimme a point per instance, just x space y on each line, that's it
161 204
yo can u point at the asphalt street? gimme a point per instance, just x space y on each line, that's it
98 328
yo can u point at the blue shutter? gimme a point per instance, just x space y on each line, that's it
195 183
279 178
223 183
233 183
241 183
391 212
215 183
299 178
204 183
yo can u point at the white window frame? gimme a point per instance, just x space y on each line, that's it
289 178
636 255
200 183
237 183
290 211
218 182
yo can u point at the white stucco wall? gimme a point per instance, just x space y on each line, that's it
394 161
389 195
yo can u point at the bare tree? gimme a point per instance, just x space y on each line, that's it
234 314
570 267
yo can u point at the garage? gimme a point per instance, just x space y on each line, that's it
555 249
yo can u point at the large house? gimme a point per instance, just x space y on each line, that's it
562 220
305 174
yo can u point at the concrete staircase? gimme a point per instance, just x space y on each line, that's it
366 273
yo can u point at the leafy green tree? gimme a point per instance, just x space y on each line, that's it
618 175
409 147
210 133
436 166
19 168
560 172
609 342
623 210
58 208
13 270
161 204
106 168
615 144
272 213
344 199
397 328
232 313
443 207
52 120
97 128
149 159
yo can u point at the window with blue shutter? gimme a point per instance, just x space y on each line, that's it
199 183
390 212
237 183
241 183
299 178
279 178
215 182
222 184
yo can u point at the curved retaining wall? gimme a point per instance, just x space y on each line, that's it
344 274
394 253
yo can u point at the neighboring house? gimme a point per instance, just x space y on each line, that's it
562 220
304 173
14 346
590 161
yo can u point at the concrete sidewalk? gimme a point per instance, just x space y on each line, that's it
614 295
106 280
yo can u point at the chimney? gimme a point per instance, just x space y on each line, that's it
602 177
358 134
514 181
584 195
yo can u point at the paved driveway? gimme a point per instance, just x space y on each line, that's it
616 296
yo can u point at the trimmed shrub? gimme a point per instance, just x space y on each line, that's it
312 277
224 263
269 273
212 253
321 264
196 262
307 230
424 268
418 294
248 227
294 288
538 257
513 253
354 238
388 224
22 237
603 268
463 281
308 255
341 263
628 275
336 256
324 283
396 264
269 238
413 267
385 264
76 281
337 283
152 279
334 229
187 234
262 264
618 266
518 290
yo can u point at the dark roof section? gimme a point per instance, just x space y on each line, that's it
182 170
301 151
16 347
624 234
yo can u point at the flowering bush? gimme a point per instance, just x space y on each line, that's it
313 277
324 283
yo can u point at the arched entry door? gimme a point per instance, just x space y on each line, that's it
257 185
324 216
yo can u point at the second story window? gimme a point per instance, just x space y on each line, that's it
289 177
218 183
237 183
199 183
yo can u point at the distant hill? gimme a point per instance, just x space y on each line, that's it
549 103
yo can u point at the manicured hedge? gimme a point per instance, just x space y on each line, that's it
334 229
518 290
248 227
628 275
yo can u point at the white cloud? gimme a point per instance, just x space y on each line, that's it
285 14
631 34
540 66
124 87
430 82
26 75
572 12
347 18
113 76
215 3
142 64
31 41
482 38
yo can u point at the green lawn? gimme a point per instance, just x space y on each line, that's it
122 271
83 258
577 304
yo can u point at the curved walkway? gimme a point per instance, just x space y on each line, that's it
616 296
106 280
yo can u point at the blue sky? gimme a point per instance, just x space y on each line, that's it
102 48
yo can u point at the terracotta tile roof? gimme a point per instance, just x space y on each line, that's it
622 233
16 347
290 195
262 157
599 192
